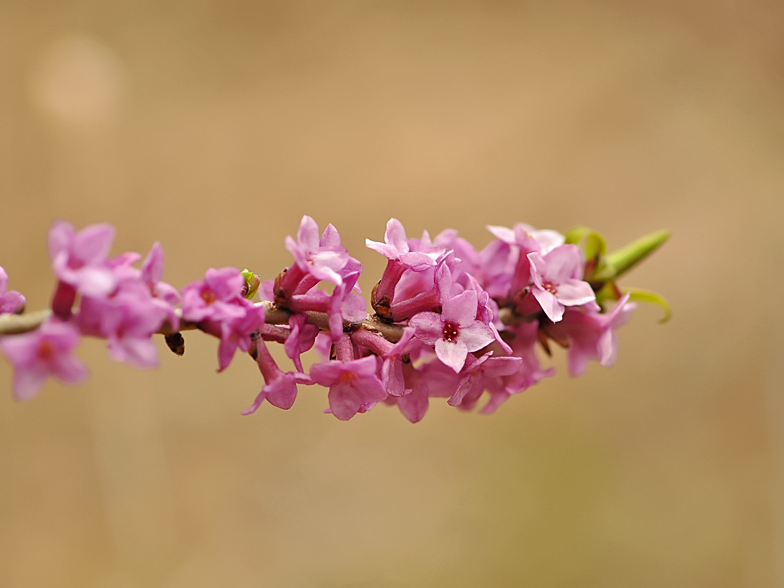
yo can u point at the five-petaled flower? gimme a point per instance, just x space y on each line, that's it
47 351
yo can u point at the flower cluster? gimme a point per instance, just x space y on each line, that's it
446 320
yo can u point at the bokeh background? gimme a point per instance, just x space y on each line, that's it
214 126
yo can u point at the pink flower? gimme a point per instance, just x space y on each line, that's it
455 332
354 386
127 319
217 297
556 280
236 332
592 335
47 351
396 248
78 259
481 374
324 258
10 301
280 388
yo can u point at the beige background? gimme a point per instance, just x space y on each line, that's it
214 126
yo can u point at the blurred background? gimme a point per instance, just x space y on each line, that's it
214 126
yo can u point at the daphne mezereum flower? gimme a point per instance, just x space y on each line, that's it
10 301
78 259
280 388
218 297
164 295
455 331
354 386
556 280
322 257
47 351
127 319
592 335
396 248
236 332
480 374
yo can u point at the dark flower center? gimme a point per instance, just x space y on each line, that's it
208 296
45 350
451 332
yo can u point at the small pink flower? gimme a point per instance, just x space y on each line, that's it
45 352
455 332
396 248
79 259
354 386
280 388
218 297
556 281
592 335
237 332
324 258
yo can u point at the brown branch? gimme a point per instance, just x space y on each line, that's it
14 324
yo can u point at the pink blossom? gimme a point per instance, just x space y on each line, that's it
47 351
236 332
592 335
79 259
218 297
324 258
454 332
280 388
396 248
480 374
127 319
302 337
354 386
556 281
523 342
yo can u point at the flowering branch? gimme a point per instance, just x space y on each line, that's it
447 320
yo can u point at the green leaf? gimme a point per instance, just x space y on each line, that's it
640 295
591 242
621 261
574 235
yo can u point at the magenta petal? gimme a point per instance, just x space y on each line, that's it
413 405
226 349
563 263
96 281
549 303
70 369
575 293
60 235
608 348
452 354
429 326
152 267
395 235
307 235
344 401
92 244
330 238
139 353
28 382
256 403
461 309
476 336
282 392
